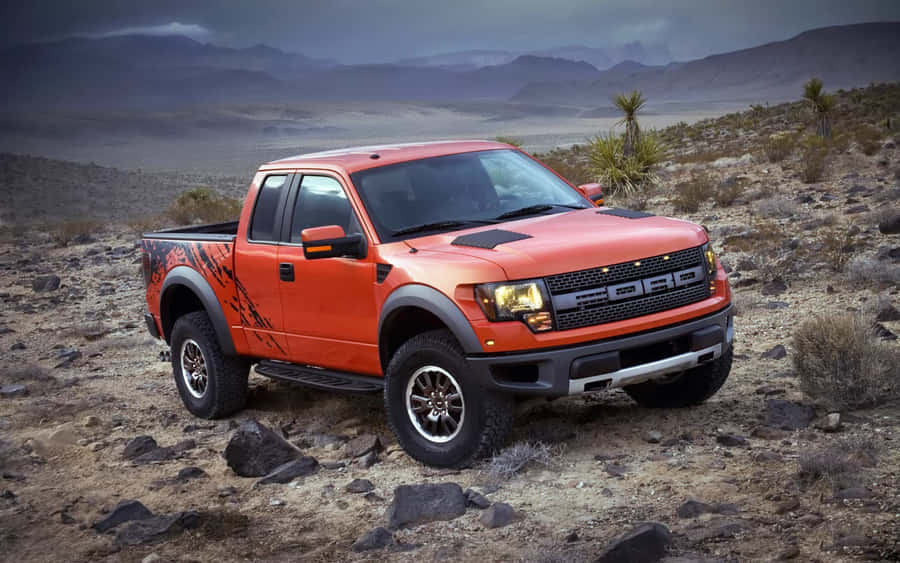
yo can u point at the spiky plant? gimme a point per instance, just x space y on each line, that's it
630 104
624 175
821 103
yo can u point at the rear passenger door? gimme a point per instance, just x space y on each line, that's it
329 306
256 269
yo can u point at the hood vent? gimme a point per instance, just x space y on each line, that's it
488 239
626 213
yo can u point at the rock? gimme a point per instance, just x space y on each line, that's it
419 504
788 415
90 421
44 284
361 445
790 552
646 543
769 390
152 558
788 505
498 515
832 422
777 352
887 313
883 333
853 493
188 473
889 224
476 499
732 440
333 465
369 459
616 470
776 305
774 287
255 451
377 538
811 520
158 454
156 528
15 390
717 530
769 433
67 357
857 209
184 445
17 346
64 435
693 508
360 486
125 511
287 472
653 437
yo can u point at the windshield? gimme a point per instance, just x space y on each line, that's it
460 191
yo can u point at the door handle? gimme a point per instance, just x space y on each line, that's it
286 271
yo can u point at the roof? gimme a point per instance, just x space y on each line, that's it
354 159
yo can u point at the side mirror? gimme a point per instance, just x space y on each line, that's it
331 242
593 192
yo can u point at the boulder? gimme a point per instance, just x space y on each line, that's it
890 223
43 284
360 486
419 504
361 445
254 450
157 528
498 515
777 352
125 511
287 472
15 390
788 415
475 499
887 313
732 440
645 543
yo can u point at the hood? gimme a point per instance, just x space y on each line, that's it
576 240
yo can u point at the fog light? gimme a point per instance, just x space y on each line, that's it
539 322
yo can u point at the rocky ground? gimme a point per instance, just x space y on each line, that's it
90 420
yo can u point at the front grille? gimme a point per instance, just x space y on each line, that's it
626 271
659 284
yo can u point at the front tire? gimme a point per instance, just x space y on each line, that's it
211 384
689 388
437 411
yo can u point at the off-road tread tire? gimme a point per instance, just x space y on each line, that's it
494 411
227 390
693 387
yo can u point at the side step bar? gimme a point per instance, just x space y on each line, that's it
320 378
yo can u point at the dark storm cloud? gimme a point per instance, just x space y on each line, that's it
361 30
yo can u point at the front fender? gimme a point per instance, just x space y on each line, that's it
194 281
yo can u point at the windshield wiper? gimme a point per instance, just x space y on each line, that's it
438 225
532 209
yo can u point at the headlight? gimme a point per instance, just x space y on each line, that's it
525 301
710 256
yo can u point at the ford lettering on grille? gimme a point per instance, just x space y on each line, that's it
628 290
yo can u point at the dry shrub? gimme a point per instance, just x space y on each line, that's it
841 363
74 231
728 191
779 147
203 205
837 246
690 194
777 207
141 224
839 464
872 270
509 461
868 138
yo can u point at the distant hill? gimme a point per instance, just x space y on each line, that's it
843 56
460 60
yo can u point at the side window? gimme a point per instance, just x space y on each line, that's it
320 202
262 227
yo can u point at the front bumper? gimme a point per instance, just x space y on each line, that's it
608 364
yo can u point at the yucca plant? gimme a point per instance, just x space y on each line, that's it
821 103
630 104
624 174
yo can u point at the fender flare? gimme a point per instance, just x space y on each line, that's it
194 281
436 303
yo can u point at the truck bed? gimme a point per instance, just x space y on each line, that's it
212 232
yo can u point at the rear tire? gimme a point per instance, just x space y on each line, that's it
691 387
439 413
211 384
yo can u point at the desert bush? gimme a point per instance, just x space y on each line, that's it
837 246
728 191
621 173
841 363
776 207
509 141
839 464
203 205
868 138
813 159
690 194
140 224
872 270
779 147
74 231
572 164
509 461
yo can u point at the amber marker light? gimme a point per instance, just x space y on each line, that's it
318 248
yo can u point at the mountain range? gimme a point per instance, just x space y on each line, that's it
154 72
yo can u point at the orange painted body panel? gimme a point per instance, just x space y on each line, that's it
329 315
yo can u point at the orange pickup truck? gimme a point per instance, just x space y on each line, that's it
452 277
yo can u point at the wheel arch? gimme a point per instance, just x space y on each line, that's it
184 291
414 309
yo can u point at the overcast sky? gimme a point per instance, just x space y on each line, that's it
381 30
